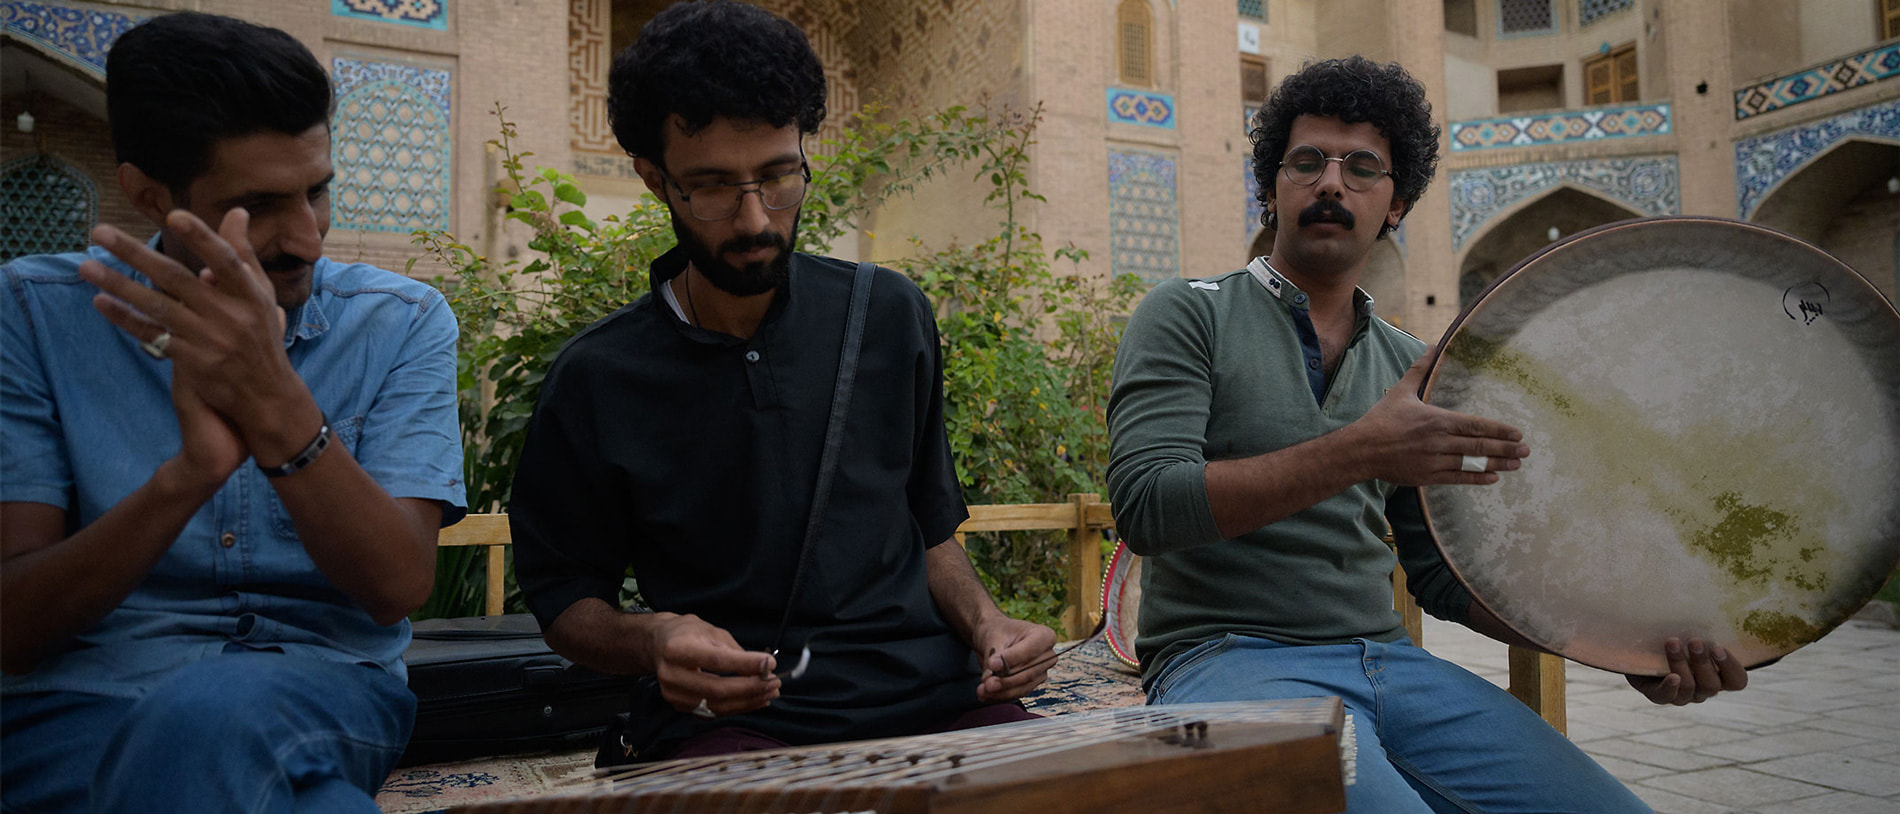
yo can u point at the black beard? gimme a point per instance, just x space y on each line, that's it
1332 212
753 278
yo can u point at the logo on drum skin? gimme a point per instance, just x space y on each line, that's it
1805 302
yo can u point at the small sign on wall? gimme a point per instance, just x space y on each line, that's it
1249 38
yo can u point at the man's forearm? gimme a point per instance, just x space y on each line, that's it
960 595
1249 493
53 588
599 636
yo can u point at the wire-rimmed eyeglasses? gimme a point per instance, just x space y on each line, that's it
1359 170
719 201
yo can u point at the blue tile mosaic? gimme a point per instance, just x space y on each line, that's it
1763 162
1556 128
390 144
1647 184
1869 66
1140 107
1589 11
1144 229
433 14
80 35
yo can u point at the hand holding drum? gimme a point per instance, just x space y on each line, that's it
1716 409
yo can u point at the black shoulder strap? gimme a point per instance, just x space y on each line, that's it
834 433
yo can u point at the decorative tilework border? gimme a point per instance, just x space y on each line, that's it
82 35
1560 127
1143 217
1140 107
1649 184
1589 11
1869 66
1763 162
430 14
349 74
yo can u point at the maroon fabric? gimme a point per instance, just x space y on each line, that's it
991 715
732 739
724 741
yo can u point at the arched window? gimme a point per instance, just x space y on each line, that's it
46 206
1134 43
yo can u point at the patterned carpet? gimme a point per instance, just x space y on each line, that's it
1088 677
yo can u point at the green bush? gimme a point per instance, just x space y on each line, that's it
1026 350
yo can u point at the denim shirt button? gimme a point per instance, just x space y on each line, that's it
752 356
227 539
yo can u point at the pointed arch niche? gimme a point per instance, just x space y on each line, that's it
1847 202
1522 232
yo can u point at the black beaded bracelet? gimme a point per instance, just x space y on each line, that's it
305 458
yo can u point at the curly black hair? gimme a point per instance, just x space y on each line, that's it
178 83
1354 89
702 60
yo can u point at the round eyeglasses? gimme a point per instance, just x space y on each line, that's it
1359 170
719 201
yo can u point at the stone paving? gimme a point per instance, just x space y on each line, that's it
1817 733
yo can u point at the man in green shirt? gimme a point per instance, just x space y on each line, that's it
1266 430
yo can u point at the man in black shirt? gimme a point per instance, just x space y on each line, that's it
682 435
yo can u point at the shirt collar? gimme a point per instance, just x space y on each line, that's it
1284 290
308 321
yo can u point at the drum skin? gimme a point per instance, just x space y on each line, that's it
1713 415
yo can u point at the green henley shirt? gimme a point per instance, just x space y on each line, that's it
1219 369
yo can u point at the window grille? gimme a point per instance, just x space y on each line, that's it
1253 80
1526 17
1588 11
46 206
1253 9
1133 47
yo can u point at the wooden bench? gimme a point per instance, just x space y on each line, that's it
1537 679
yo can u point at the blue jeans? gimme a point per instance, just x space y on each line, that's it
244 731
1451 741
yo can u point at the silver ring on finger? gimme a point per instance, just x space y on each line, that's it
157 346
702 710
1474 463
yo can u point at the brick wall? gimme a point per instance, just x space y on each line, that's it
1862 234
74 136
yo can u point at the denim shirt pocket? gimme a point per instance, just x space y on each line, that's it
348 432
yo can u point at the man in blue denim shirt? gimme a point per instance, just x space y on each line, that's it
226 461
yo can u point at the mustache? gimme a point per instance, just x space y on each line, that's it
762 240
283 262
1328 211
